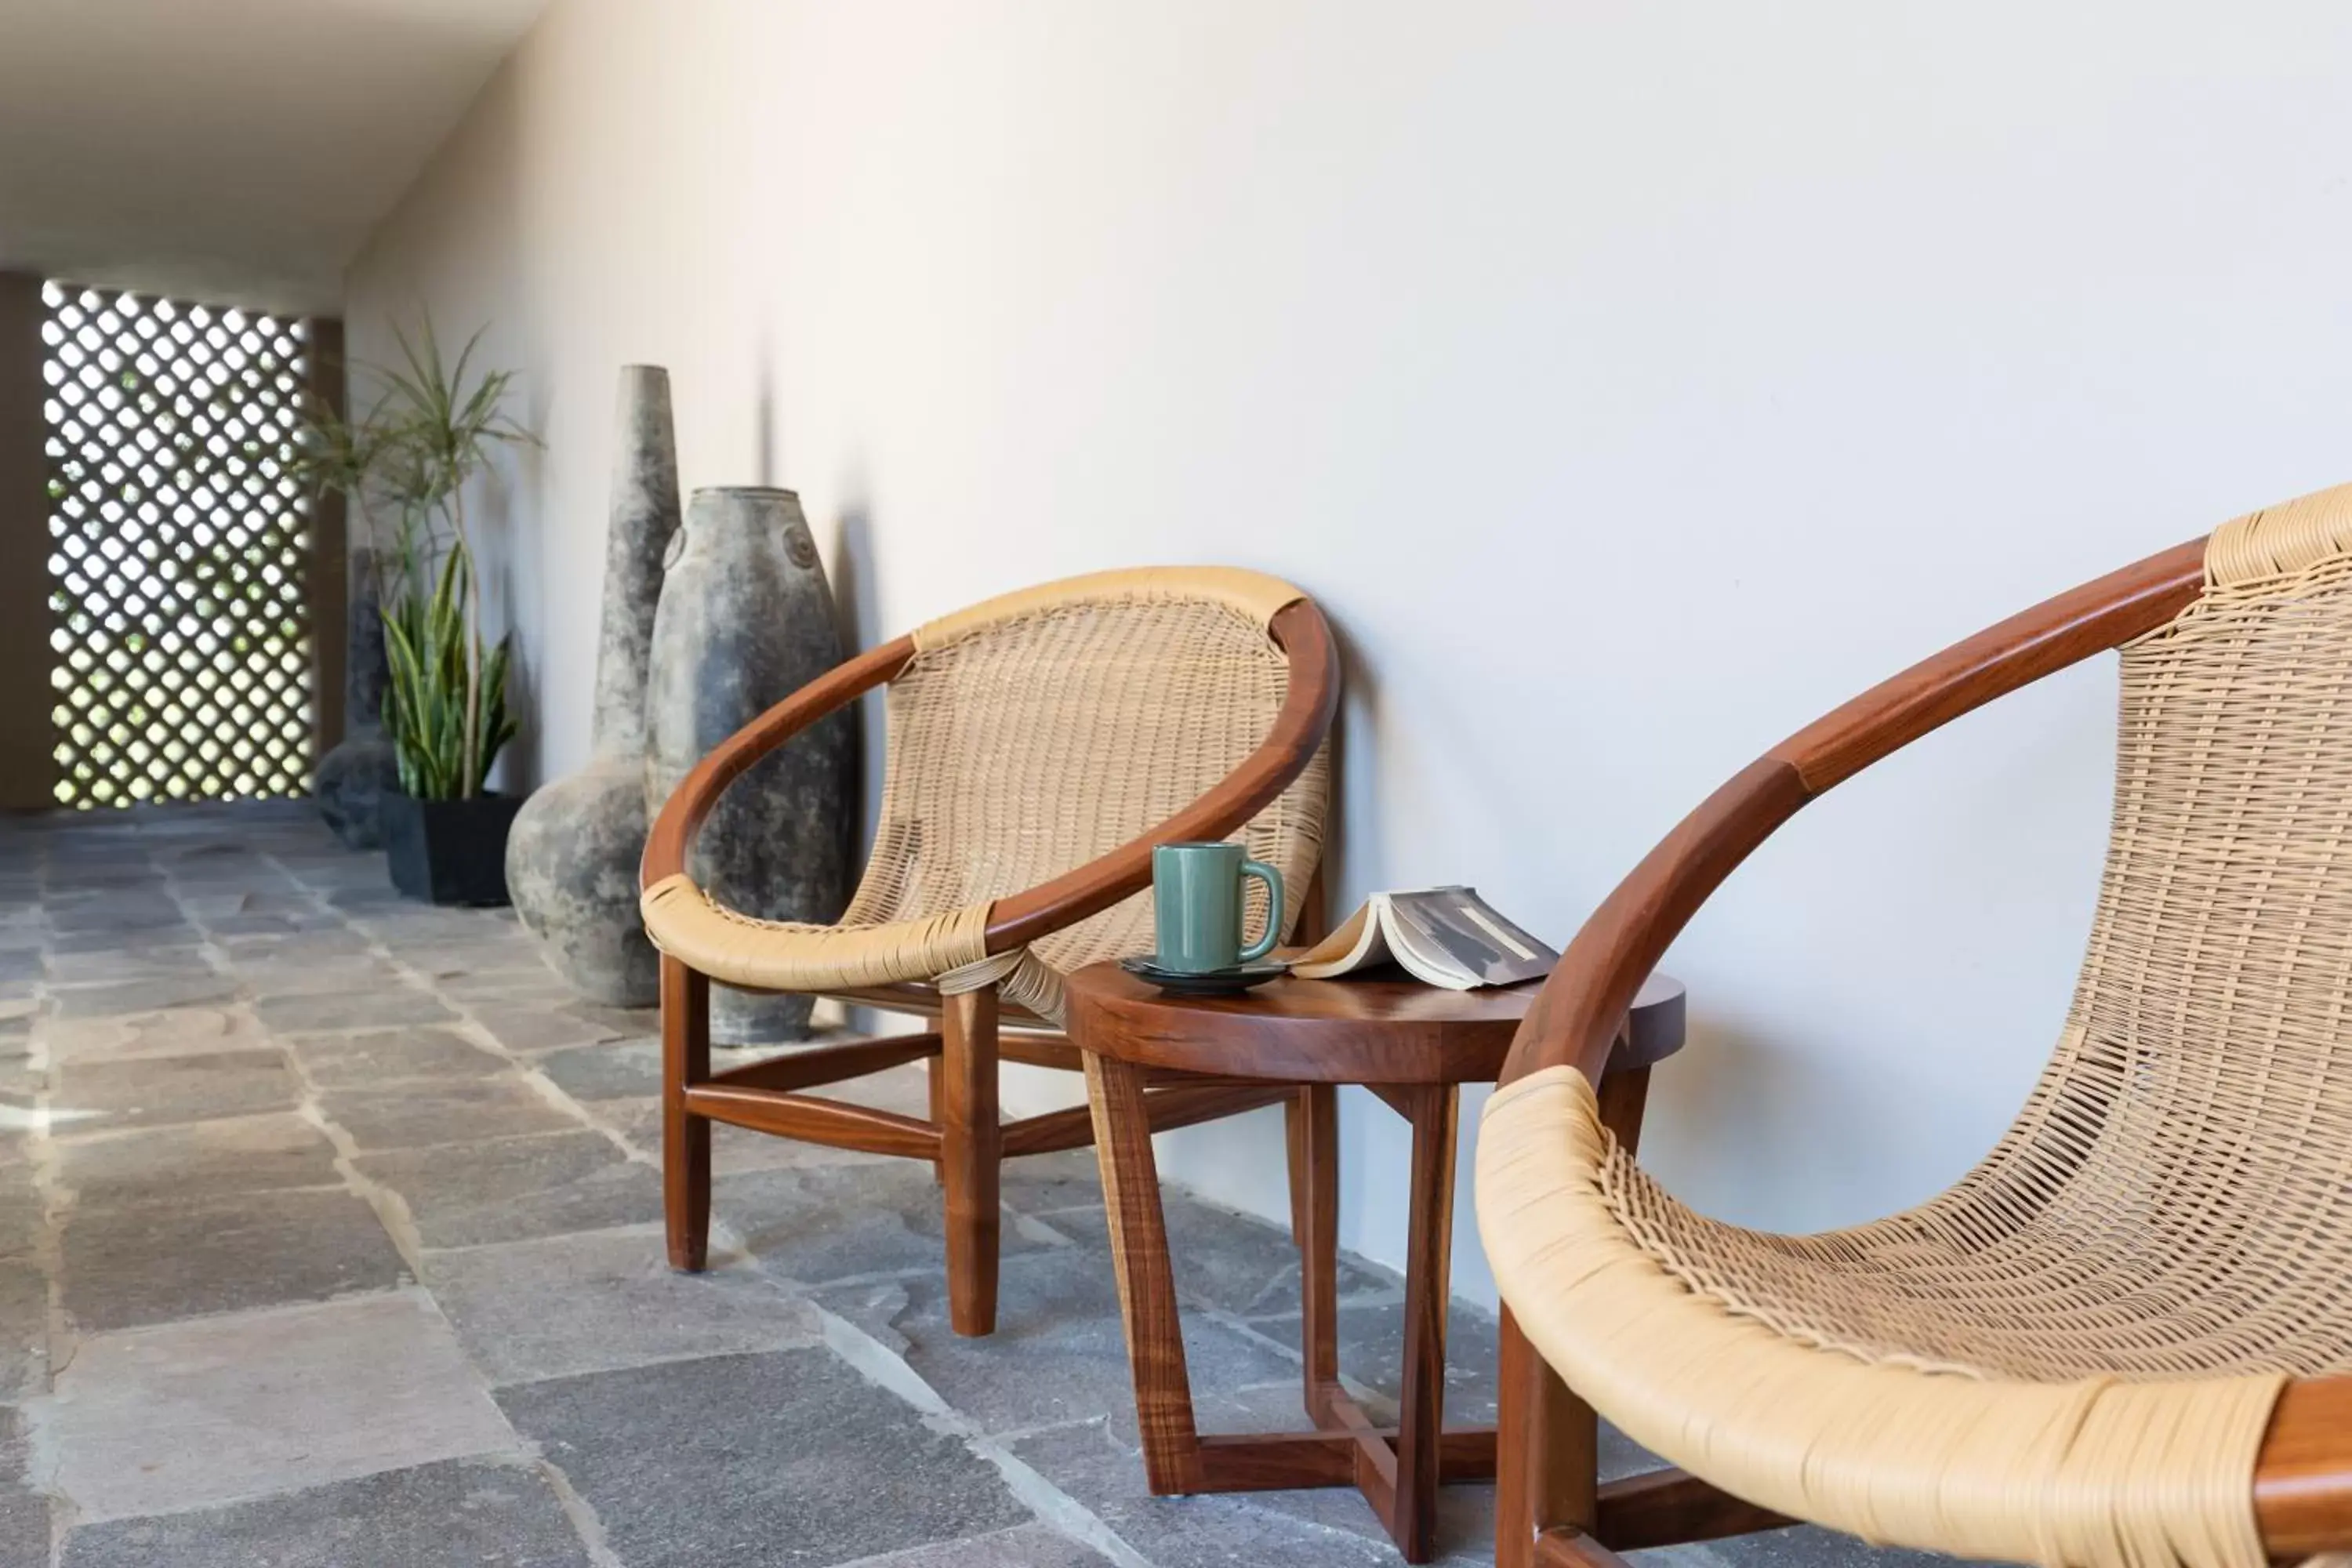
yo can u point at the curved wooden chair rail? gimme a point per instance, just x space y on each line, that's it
2303 1496
1300 726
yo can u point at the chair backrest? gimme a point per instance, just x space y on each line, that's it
1034 732
2198 1114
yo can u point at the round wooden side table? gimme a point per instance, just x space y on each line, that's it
1413 1046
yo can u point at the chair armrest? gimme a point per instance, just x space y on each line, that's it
682 814
2303 1476
1299 727
1575 1020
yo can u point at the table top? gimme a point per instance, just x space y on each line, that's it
1350 1030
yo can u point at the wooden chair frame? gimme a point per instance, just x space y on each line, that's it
1549 1508
963 1136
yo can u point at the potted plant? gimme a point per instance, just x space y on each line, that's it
403 466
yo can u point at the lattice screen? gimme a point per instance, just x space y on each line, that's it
179 550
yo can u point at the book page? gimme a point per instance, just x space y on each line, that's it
1355 945
1427 951
1476 937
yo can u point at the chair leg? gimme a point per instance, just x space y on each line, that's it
1546 1454
971 1148
685 1137
1547 1441
935 1070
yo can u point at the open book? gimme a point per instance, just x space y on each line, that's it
1444 936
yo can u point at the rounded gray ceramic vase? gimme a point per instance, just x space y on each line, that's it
351 778
571 858
747 620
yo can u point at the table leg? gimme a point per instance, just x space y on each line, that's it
1147 1283
1315 1204
1624 1096
1429 1260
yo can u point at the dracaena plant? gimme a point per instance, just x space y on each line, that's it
430 424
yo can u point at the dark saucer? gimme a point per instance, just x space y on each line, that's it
1209 982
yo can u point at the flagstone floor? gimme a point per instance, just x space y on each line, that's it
329 1238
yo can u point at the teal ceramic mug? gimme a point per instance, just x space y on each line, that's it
1196 904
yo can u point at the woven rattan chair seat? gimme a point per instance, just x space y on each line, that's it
2072 1356
1027 736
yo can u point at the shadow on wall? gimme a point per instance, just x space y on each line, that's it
1358 706
521 766
858 616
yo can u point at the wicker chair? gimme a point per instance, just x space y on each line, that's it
2124 1337
1040 744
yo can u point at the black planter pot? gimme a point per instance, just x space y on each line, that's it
450 851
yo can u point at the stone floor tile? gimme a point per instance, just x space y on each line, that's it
813 1224
517 1189
24 1510
372 1009
19 963
1199 1532
181 1032
273 924
129 1266
103 941
159 1090
141 995
462 942
334 867
458 1513
1052 1184
119 964
625 1023
267 982
1372 1352
614 1070
121 910
1230 1261
536 1028
338 944
603 1300
364 898
24 1345
390 1055
1059 1352
1031 1546
514 989
201 1160
448 1110
188 1414
757 1460
545 1249
246 888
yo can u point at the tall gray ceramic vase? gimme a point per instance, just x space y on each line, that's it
747 620
571 858
352 777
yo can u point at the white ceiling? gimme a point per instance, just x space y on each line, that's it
237 151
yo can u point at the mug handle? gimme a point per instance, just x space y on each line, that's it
1273 880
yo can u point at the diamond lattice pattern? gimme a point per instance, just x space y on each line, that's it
178 543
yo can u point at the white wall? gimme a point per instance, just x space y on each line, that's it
1631 381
